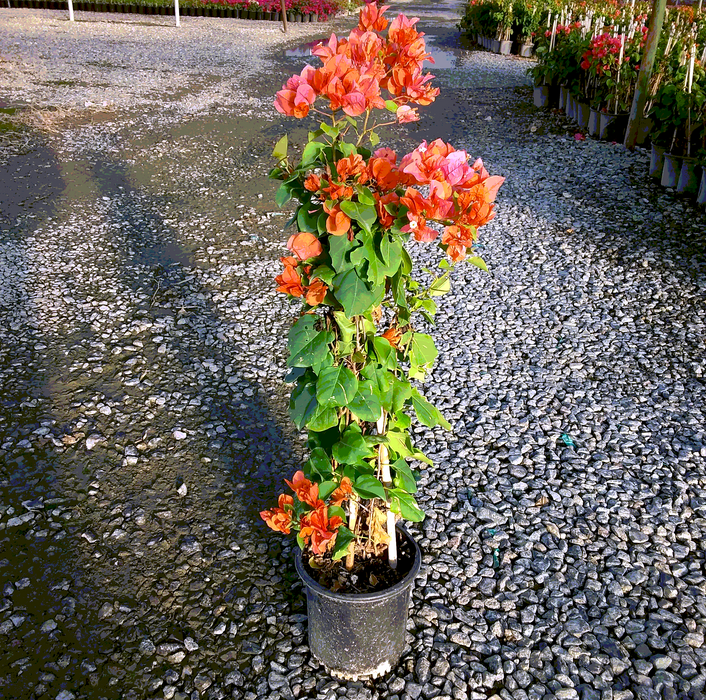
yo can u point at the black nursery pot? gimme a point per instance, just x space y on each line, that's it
361 635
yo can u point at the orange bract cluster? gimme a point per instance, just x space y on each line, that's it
316 527
355 70
290 282
461 194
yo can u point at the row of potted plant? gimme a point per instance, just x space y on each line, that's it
589 58
297 10
502 26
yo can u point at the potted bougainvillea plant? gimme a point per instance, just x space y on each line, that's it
354 352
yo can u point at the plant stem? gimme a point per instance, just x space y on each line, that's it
384 461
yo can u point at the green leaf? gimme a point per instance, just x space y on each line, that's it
351 447
334 511
346 327
399 289
324 273
331 131
343 539
401 391
326 488
294 374
324 419
339 246
365 214
311 153
444 264
319 463
283 195
307 346
365 196
399 443
336 386
428 309
406 264
478 262
385 353
440 286
303 404
427 413
354 295
391 106
367 486
381 382
405 505
306 219
365 405
391 254
404 476
422 353
374 139
280 149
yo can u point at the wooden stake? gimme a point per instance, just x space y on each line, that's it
643 79
384 462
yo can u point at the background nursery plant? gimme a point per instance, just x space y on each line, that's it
354 351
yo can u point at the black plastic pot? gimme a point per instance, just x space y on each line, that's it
361 635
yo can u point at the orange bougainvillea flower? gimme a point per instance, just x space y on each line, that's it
312 183
384 217
319 529
335 191
385 174
307 491
289 281
337 224
280 519
342 493
304 245
352 166
296 95
316 292
417 206
458 239
393 336
406 114
371 17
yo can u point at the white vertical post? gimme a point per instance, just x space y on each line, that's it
176 11
71 11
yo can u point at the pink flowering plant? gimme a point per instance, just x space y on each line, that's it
355 351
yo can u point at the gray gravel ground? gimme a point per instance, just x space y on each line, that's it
143 416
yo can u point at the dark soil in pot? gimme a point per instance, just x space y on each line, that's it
367 576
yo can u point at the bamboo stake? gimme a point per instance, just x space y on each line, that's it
384 457
352 523
690 80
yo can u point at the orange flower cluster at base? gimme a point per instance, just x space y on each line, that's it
316 528
280 519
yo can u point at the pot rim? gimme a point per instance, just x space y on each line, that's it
362 598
